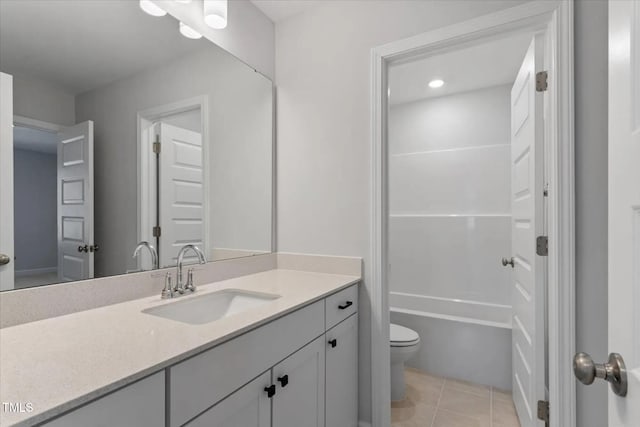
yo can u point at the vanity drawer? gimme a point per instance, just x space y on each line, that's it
205 379
341 305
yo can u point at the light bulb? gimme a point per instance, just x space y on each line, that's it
215 13
189 32
434 84
151 8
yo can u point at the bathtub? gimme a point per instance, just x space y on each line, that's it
460 339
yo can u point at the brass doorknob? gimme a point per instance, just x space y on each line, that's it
4 259
614 371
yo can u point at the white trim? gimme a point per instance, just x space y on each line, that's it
36 124
157 113
6 180
556 18
452 150
460 319
421 215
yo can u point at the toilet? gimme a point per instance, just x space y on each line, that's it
404 344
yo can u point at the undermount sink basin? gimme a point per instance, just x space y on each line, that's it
209 307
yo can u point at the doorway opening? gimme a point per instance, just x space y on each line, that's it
35 154
172 154
472 219
53 203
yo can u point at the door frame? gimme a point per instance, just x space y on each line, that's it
7 275
143 145
556 18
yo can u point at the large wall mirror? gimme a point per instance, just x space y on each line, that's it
125 132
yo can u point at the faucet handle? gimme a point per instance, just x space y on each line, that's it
167 292
190 285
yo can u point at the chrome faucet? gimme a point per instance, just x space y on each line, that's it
152 251
189 286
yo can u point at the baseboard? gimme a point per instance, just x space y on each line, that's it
364 424
34 271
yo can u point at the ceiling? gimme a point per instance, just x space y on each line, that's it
35 140
81 45
478 66
279 10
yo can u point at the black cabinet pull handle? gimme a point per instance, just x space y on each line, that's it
333 342
271 391
284 380
347 305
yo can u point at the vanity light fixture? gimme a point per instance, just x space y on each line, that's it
189 32
151 8
215 13
434 84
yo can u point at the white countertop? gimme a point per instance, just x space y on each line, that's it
60 363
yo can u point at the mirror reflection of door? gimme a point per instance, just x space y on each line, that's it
173 210
76 246
65 79
53 202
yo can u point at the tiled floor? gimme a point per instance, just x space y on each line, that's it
440 402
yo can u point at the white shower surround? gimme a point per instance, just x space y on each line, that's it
449 227
449 186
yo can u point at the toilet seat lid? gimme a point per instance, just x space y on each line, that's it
399 335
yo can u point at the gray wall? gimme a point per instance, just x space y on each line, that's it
591 26
42 100
240 123
35 210
249 35
323 147
323 156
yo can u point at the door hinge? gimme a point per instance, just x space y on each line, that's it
156 231
545 192
543 411
542 245
156 145
542 81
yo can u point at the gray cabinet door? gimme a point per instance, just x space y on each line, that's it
140 404
247 407
299 380
342 374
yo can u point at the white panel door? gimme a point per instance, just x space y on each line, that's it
6 181
527 223
624 204
299 399
182 192
248 407
75 202
342 374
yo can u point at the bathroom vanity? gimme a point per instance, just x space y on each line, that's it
291 361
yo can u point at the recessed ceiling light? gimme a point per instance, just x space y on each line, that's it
151 8
434 84
189 32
